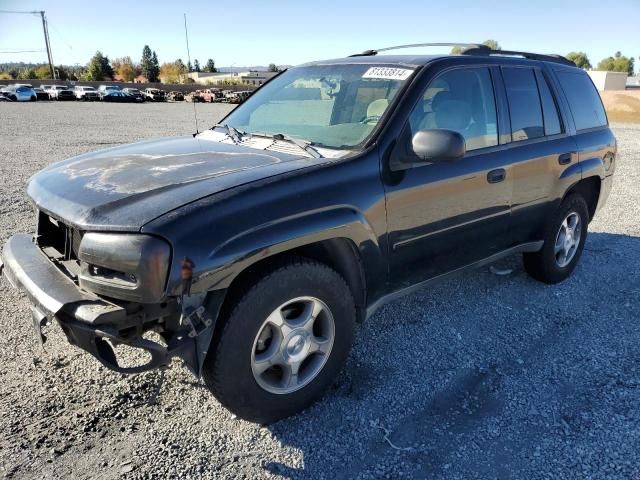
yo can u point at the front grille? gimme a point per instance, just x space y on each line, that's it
59 236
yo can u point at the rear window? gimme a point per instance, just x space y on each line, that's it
524 103
584 101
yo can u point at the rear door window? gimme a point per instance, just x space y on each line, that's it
584 101
552 124
524 103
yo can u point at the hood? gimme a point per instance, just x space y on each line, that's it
123 188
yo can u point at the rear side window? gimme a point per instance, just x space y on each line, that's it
524 103
552 125
584 101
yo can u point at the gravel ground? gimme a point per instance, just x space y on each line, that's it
483 376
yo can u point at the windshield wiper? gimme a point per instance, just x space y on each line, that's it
303 144
232 132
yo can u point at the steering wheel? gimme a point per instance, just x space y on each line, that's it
370 119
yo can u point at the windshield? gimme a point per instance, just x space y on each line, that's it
335 106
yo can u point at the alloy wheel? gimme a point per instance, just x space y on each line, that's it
292 345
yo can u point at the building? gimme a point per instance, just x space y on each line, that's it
221 78
633 82
257 78
608 80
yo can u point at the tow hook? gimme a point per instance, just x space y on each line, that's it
197 320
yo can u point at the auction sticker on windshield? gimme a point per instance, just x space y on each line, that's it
388 73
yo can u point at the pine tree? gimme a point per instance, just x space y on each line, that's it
196 65
155 71
210 66
146 66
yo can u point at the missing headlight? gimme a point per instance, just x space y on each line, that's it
126 266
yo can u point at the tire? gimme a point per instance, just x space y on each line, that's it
548 265
33 99
291 289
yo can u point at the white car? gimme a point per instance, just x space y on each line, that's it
60 92
19 93
86 93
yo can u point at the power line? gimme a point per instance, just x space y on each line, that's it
33 12
45 30
55 30
23 51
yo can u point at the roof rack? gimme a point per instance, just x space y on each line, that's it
512 53
475 49
468 46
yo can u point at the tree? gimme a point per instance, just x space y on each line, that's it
617 63
149 66
182 68
492 44
43 72
156 67
580 59
272 67
189 66
61 72
172 72
124 69
210 66
26 73
196 65
98 68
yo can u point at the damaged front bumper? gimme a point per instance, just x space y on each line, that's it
96 324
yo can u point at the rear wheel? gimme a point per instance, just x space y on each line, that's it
564 239
283 343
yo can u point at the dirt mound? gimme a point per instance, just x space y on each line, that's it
622 106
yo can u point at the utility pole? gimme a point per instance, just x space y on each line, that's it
45 29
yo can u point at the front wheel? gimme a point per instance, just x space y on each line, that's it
564 239
283 343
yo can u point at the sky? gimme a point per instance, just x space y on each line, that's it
289 32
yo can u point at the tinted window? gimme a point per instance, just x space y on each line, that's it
524 103
552 125
460 100
585 103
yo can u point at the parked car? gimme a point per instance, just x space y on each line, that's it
236 97
86 93
117 96
41 94
154 94
60 92
175 96
20 93
105 89
135 94
211 94
255 247
194 97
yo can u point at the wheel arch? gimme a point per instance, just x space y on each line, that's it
589 188
340 253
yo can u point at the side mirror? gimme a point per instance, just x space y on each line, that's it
438 145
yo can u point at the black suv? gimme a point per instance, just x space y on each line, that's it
255 247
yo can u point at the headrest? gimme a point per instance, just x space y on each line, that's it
377 107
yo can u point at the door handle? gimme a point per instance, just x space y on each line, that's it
496 176
564 159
